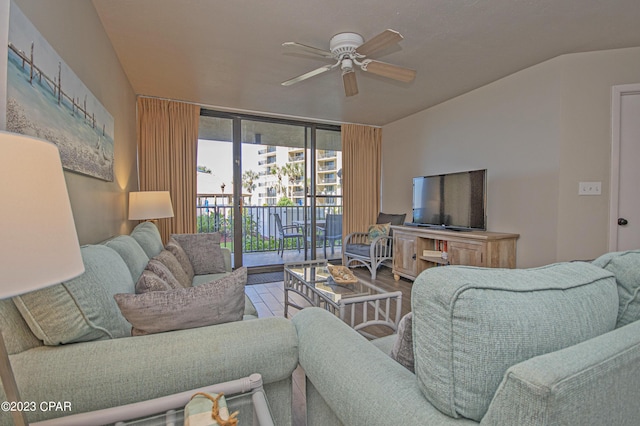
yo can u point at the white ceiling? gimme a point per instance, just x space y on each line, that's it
228 54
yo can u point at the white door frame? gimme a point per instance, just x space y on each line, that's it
616 105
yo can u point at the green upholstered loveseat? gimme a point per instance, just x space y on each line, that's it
106 367
557 345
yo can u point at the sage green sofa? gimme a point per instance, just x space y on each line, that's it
88 358
557 345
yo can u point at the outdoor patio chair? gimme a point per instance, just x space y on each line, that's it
288 232
331 232
357 248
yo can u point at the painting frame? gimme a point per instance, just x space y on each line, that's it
46 99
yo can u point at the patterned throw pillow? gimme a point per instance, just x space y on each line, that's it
217 302
203 251
378 230
164 273
169 260
176 249
150 281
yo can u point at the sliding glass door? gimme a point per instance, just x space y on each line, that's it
279 178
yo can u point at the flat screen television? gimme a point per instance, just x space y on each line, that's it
455 201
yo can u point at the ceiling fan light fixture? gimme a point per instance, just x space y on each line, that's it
346 65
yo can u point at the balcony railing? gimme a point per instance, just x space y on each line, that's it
259 230
327 154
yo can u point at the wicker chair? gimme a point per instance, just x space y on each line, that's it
359 250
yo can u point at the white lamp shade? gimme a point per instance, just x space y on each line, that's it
39 240
150 205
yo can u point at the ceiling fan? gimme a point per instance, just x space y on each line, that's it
350 51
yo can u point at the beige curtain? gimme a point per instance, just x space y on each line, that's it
167 155
361 163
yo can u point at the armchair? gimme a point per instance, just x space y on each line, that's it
359 249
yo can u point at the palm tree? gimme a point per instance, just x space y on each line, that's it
278 172
293 172
249 179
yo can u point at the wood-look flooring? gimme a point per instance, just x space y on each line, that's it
269 301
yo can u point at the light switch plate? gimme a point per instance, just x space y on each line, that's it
590 188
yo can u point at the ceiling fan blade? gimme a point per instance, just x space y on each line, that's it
308 75
308 49
382 40
350 83
383 69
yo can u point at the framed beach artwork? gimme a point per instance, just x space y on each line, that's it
46 99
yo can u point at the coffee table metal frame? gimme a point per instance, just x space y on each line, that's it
375 307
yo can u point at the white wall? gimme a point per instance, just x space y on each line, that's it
538 132
76 33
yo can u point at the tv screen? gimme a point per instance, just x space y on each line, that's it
451 201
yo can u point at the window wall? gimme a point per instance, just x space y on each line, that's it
279 177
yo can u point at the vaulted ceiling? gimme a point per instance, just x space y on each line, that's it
229 54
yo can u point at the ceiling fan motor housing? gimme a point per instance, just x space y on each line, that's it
345 44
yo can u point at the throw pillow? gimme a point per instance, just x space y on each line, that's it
81 309
148 236
378 230
131 252
217 302
169 260
203 251
626 267
402 350
176 249
471 324
164 273
150 281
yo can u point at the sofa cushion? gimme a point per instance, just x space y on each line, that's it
169 260
176 249
148 236
131 252
160 269
402 350
204 252
393 219
471 324
150 281
216 302
363 250
83 308
626 267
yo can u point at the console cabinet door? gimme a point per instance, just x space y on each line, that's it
467 254
404 254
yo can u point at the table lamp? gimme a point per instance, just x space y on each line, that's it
32 189
150 205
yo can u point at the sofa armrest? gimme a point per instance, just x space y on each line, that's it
106 373
358 382
592 383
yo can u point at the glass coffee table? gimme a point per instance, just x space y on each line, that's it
360 304
245 395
